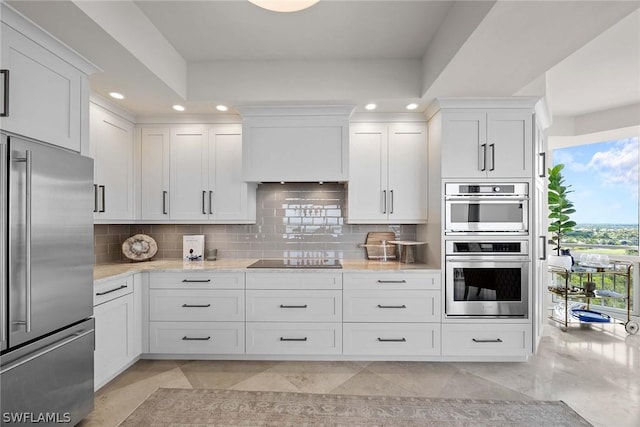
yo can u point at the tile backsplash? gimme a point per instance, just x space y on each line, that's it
292 220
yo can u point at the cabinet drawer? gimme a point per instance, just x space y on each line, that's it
199 280
400 339
300 306
196 337
287 338
294 280
486 339
196 305
390 306
111 289
392 281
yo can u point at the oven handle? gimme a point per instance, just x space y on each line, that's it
489 258
487 199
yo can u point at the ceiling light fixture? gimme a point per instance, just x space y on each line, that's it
222 107
116 95
284 5
178 107
370 107
412 106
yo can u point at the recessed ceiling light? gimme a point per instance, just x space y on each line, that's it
178 107
412 106
370 107
222 107
116 95
284 5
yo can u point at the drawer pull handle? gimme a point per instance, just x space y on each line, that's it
196 305
293 339
111 290
392 339
392 306
392 281
293 306
186 338
196 281
477 340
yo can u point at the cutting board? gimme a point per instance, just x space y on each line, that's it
374 248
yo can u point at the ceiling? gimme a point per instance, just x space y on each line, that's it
203 53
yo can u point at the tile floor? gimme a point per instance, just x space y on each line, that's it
596 370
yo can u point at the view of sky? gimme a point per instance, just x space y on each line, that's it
604 178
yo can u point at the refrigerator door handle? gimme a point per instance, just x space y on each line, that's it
5 101
27 232
48 349
3 244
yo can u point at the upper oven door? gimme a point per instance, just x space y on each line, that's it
486 215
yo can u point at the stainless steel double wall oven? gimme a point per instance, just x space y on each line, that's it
487 258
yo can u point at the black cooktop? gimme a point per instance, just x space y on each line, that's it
296 263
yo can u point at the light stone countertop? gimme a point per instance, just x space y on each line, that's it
104 272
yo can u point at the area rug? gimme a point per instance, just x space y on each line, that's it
200 407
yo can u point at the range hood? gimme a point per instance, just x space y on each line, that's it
295 143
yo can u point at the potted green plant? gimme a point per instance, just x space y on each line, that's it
560 207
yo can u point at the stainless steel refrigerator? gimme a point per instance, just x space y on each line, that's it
46 298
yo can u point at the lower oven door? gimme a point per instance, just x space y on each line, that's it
486 286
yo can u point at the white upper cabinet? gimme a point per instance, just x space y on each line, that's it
43 85
112 150
206 176
487 143
154 173
295 144
388 173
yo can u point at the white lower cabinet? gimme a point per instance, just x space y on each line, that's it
390 306
294 338
483 339
196 313
117 322
392 339
294 306
196 337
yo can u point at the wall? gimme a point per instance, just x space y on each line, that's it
292 220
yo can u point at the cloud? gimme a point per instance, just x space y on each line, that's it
618 165
568 160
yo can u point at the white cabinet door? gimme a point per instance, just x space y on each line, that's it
231 197
387 174
407 168
487 144
189 198
44 92
115 334
112 149
509 144
464 144
367 188
155 173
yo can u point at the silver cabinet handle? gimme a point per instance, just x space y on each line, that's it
543 167
164 202
95 198
392 281
186 338
391 196
483 158
27 160
544 248
392 306
196 305
196 280
104 190
497 340
392 339
5 101
384 201
293 339
204 194
111 290
293 306
210 202
493 157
